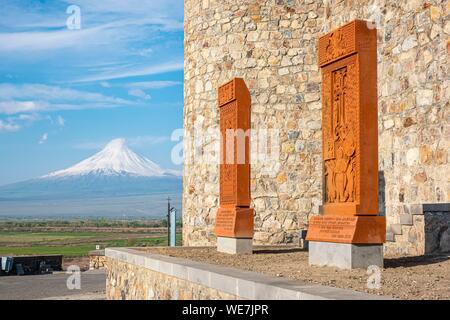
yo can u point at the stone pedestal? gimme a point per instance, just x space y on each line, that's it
345 255
234 245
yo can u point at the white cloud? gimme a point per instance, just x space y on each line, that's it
49 40
33 16
28 98
44 138
43 27
153 84
29 117
136 72
115 41
17 122
139 93
139 142
46 92
61 121
145 52
159 8
8 126
12 107
145 141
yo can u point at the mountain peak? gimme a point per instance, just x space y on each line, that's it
116 144
113 160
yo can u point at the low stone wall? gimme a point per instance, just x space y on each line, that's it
137 275
420 229
97 259
131 282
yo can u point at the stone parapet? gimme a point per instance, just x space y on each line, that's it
133 274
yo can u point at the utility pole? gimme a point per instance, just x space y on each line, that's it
169 209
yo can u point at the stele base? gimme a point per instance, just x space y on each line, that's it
345 255
234 245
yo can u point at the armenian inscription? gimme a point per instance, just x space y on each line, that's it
336 229
226 220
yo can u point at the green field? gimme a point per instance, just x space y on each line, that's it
31 237
73 244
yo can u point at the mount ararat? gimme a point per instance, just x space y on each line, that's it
114 181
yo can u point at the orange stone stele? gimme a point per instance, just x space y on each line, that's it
234 217
348 61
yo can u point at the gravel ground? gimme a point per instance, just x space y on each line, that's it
426 277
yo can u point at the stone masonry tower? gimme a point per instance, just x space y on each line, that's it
271 44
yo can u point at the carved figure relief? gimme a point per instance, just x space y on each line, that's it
340 145
226 93
336 45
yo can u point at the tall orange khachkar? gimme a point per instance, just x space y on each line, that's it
234 219
350 233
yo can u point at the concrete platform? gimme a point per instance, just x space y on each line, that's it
234 245
344 255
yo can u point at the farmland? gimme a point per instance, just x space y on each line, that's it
77 238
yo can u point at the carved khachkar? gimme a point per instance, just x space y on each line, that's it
234 218
348 60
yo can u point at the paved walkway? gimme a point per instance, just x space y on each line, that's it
53 286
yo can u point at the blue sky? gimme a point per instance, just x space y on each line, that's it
66 92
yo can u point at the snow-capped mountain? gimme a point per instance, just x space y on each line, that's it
113 181
114 160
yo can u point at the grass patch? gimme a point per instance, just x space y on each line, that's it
30 237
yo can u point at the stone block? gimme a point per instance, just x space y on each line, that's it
234 245
406 219
436 207
390 237
344 255
223 282
416 209
396 229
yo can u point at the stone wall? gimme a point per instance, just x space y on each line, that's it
272 45
133 274
125 281
97 259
